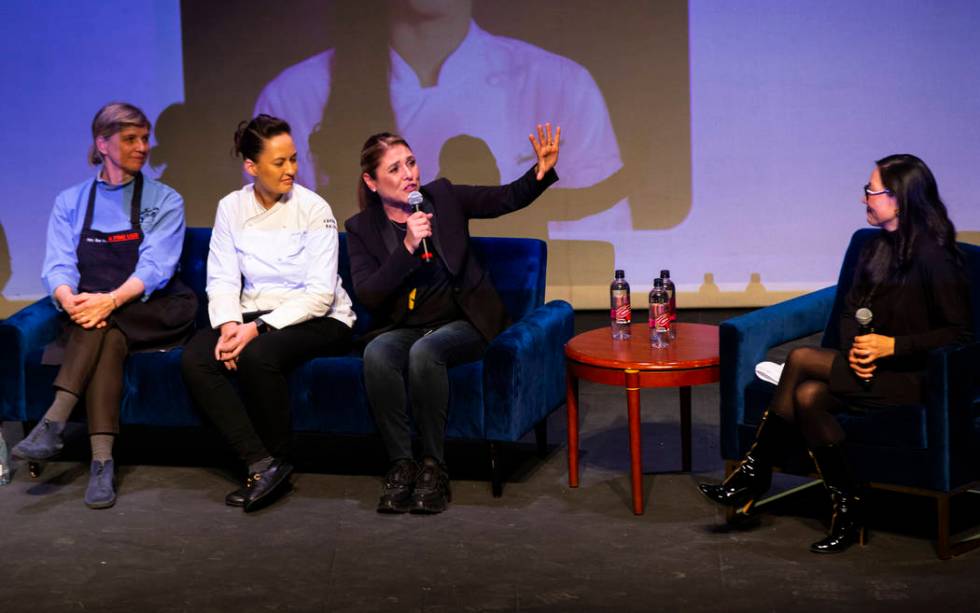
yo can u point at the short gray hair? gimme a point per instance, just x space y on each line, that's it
112 118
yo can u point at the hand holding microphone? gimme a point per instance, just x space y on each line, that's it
418 227
868 347
863 368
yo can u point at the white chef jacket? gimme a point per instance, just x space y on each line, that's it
491 87
282 260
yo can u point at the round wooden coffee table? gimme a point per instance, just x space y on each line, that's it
691 359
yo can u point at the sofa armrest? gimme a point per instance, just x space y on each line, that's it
952 422
27 330
744 341
524 371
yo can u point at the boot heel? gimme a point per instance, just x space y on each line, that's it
744 509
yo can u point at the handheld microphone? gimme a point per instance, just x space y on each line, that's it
863 317
415 201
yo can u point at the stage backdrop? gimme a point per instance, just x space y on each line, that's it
726 141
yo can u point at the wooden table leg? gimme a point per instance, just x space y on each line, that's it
636 459
686 428
571 403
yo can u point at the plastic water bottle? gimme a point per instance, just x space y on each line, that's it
671 301
659 320
620 313
4 462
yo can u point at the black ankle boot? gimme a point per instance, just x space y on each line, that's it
847 523
753 476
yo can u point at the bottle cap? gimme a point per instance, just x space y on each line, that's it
620 274
665 274
658 282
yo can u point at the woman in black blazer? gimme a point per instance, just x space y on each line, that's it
436 307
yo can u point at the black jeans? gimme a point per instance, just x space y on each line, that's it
425 356
256 422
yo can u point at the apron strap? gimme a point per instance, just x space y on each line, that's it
91 206
134 208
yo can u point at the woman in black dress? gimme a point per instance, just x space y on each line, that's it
911 277
412 267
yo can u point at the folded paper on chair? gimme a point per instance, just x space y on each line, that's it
769 372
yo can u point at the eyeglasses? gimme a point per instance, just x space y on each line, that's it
868 192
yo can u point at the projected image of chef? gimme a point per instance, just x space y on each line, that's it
431 71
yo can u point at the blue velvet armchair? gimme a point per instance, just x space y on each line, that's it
930 449
512 390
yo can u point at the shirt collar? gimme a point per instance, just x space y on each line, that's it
459 65
103 184
257 210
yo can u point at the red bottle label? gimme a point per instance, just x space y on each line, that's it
621 312
659 317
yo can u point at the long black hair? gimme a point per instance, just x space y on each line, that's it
922 216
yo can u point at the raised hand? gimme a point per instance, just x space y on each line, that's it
546 148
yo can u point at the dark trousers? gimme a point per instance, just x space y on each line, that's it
410 366
256 422
92 369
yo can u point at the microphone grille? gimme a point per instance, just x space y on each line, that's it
415 199
863 316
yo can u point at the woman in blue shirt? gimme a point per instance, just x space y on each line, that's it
112 249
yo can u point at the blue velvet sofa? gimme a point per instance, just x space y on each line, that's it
931 449
501 398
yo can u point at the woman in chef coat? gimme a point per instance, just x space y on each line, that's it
275 300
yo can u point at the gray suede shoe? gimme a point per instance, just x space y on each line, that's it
43 442
101 492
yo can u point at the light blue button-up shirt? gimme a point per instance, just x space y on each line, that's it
161 218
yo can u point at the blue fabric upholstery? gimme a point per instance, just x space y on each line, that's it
518 384
932 446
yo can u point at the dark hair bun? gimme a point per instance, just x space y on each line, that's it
251 135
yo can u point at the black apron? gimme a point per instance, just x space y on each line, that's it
107 259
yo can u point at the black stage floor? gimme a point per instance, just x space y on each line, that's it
171 545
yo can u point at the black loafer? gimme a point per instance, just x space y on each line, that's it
396 497
236 498
431 494
263 488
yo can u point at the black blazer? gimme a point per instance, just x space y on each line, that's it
380 264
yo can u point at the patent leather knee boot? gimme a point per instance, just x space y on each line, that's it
753 475
847 523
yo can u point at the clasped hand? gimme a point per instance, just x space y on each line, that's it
234 337
88 310
866 350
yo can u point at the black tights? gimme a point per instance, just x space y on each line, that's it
803 396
